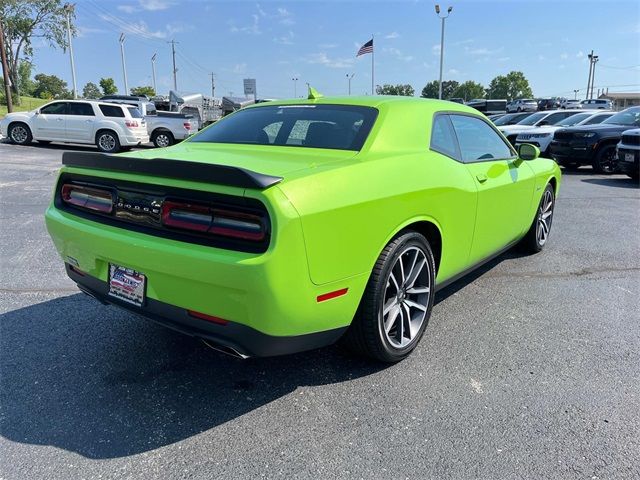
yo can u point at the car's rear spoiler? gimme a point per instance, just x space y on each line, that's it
179 169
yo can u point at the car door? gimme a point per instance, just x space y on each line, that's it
80 122
49 123
505 185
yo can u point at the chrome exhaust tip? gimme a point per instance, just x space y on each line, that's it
225 349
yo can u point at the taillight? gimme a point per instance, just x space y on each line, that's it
91 198
131 123
187 125
208 219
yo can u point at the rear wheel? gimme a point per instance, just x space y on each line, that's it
20 133
605 160
163 139
397 302
538 234
107 141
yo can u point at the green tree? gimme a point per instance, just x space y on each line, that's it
431 89
399 89
26 85
91 90
510 86
108 86
146 90
50 86
469 90
24 20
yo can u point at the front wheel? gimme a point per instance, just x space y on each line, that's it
20 134
538 234
605 160
396 305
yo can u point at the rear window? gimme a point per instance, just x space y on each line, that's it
341 127
112 111
134 112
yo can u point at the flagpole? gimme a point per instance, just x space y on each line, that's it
372 71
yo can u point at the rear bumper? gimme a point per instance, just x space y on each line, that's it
233 338
132 140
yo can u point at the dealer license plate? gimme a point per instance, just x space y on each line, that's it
127 285
628 157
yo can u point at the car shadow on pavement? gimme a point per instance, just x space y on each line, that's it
103 383
620 182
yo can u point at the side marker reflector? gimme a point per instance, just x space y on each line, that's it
208 318
330 295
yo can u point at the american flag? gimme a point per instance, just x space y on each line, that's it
366 48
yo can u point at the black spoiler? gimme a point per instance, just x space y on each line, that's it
179 169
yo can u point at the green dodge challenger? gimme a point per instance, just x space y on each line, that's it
291 225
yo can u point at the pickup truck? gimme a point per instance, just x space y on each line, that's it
164 128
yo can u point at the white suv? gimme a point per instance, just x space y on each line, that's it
522 105
109 126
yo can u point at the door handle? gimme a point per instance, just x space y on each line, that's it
59 119
89 121
481 177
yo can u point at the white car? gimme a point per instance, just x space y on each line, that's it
567 103
538 119
109 126
597 104
522 105
628 153
541 137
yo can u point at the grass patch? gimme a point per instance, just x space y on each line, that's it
26 104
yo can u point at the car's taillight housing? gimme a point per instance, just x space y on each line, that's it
187 125
87 197
211 220
131 123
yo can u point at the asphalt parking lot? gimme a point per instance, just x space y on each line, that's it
530 368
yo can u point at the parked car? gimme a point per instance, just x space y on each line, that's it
593 144
457 100
522 105
243 235
488 106
548 104
541 137
164 128
495 117
597 104
567 103
511 118
628 153
110 127
534 120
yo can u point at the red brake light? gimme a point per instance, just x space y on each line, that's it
202 218
131 123
208 318
88 197
187 125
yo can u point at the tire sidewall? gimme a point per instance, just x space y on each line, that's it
599 157
408 239
115 138
539 212
169 135
28 138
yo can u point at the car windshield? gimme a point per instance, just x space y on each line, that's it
531 119
573 119
342 127
629 117
509 118
528 100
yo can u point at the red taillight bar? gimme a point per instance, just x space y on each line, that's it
90 198
131 123
187 125
208 318
330 295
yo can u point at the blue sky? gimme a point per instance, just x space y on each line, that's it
316 42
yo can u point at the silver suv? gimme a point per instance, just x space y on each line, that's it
596 104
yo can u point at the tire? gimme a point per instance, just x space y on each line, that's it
605 160
44 142
107 141
383 336
538 234
572 166
162 139
20 133
518 110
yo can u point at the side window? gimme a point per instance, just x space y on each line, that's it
443 139
58 108
112 111
84 109
556 117
478 141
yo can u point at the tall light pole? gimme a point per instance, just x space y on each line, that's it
213 84
68 8
175 70
295 87
443 18
349 77
153 71
593 75
124 66
590 57
575 93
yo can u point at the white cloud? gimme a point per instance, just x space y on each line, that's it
252 29
285 39
435 49
285 17
504 59
392 35
463 42
541 57
86 31
239 68
564 56
324 46
127 8
323 59
398 54
580 54
453 71
139 28
146 5
482 52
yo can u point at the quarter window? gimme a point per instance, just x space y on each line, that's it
443 139
84 109
112 111
58 108
478 141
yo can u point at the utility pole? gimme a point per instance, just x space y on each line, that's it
5 72
349 77
593 75
153 71
175 70
590 57
295 87
68 8
124 66
443 18
213 84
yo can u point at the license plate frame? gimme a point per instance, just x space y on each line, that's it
127 285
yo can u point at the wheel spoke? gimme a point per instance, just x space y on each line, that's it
393 279
418 270
407 317
390 304
418 290
388 324
410 303
402 277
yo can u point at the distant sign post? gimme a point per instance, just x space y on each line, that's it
250 88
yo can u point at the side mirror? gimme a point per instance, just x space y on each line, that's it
526 151
37 112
